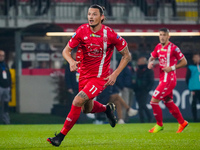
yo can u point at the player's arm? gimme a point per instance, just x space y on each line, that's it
150 62
67 55
126 57
182 63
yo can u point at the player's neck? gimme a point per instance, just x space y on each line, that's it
164 44
96 28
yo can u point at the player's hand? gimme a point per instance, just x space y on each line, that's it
150 65
73 66
111 80
167 69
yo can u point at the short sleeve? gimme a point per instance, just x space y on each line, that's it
178 54
118 41
155 52
75 39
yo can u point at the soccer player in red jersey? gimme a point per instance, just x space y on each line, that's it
95 43
168 55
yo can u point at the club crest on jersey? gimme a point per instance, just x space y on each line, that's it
94 35
162 49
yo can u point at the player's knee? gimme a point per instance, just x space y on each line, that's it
77 102
153 100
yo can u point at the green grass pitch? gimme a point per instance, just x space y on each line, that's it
101 137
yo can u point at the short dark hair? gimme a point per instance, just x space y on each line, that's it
101 9
2 50
196 53
164 30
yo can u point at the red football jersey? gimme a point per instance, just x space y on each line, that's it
168 56
95 50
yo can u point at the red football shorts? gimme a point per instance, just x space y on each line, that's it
164 90
92 87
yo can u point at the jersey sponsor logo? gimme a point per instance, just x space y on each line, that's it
95 50
95 35
163 61
162 49
161 55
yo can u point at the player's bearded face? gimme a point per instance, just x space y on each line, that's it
94 17
163 37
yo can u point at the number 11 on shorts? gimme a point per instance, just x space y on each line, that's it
93 89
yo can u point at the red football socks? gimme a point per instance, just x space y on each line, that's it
174 110
75 113
98 107
157 113
71 119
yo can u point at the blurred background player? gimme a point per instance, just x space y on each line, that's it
168 55
193 82
97 42
71 80
120 104
5 87
144 83
111 94
124 83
